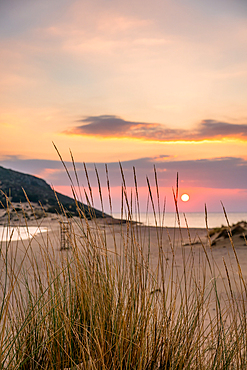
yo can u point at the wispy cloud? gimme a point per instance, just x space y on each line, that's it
110 126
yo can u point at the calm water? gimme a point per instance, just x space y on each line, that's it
193 219
18 233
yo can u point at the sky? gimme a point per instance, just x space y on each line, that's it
151 84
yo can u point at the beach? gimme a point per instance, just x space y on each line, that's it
109 276
182 248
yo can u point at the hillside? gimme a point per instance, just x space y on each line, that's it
12 184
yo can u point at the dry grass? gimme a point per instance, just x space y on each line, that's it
99 309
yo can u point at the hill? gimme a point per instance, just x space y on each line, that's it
12 184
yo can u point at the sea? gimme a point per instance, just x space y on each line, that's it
193 219
20 233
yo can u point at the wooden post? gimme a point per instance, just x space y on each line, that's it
65 234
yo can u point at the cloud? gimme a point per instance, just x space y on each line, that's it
206 180
217 173
224 173
110 126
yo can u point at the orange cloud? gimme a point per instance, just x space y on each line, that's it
109 126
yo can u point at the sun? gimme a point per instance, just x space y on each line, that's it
185 197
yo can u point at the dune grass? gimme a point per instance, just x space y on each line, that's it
92 307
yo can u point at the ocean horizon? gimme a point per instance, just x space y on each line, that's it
194 219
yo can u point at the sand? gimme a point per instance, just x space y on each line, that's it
185 246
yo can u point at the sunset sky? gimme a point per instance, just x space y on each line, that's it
142 82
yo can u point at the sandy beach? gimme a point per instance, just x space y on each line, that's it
182 248
187 268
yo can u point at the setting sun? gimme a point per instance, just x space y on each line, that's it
185 197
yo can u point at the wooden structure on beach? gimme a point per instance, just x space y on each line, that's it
65 235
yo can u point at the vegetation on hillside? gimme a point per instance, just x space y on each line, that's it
19 187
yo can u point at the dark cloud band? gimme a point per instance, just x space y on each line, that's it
224 173
116 127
